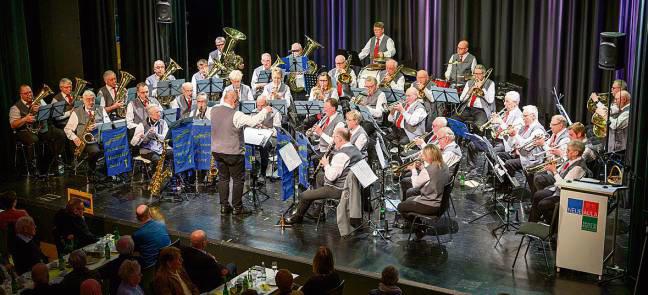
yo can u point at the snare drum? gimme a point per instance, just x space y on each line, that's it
364 74
441 83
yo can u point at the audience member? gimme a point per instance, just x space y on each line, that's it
10 214
150 237
250 292
203 268
27 250
71 224
324 276
388 280
284 281
130 273
90 287
171 278
125 247
71 283
40 277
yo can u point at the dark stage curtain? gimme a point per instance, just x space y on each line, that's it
97 20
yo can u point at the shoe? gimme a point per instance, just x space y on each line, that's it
241 211
294 219
226 209
420 233
261 179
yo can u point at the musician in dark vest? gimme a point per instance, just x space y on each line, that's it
359 137
461 64
340 68
243 91
409 118
108 93
335 174
186 102
270 121
266 63
23 114
150 134
375 99
378 46
575 168
77 126
478 107
228 149
136 109
424 85
65 94
324 128
556 146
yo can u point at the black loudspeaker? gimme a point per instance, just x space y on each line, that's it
163 12
612 51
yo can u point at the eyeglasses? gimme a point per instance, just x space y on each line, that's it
462 48
322 80
221 44
339 63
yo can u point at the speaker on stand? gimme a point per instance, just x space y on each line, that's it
164 17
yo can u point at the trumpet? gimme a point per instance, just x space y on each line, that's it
490 121
398 170
542 167
390 107
410 145
530 145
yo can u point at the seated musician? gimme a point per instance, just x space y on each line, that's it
431 180
150 134
555 147
523 143
543 200
479 107
375 99
461 64
243 91
410 118
323 90
391 77
77 126
158 71
324 128
203 70
266 64
277 89
378 46
619 117
202 110
577 132
108 93
136 109
186 102
290 67
359 137
423 85
437 124
335 173
340 68
23 114
216 55
65 94
271 121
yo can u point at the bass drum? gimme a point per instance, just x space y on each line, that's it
364 74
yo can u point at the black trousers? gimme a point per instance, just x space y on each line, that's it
411 206
473 152
307 198
543 180
230 166
542 205
93 153
54 140
475 115
264 152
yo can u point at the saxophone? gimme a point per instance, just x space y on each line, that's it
86 137
161 175
212 170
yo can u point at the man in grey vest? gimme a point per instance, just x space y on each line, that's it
23 113
478 107
461 64
65 94
555 147
136 109
77 125
380 45
375 99
203 70
150 134
215 56
335 173
186 102
271 121
158 71
410 118
108 93
619 117
340 68
326 126
543 200
423 85
228 149
390 77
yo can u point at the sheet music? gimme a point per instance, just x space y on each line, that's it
381 156
290 157
256 136
363 173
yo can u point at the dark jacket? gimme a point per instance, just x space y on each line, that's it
67 223
321 284
386 290
26 254
166 284
110 271
71 283
42 290
202 268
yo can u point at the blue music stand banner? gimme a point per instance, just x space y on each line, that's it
201 135
249 157
116 151
183 153
302 150
287 186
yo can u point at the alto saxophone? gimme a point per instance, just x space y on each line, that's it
213 172
161 175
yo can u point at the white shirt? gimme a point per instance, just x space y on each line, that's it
339 161
102 99
449 158
129 114
331 94
70 127
267 90
397 84
248 97
412 119
574 173
194 82
174 104
448 71
194 113
325 137
361 141
241 120
139 135
419 179
621 121
368 50
489 96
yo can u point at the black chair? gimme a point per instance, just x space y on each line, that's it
538 232
455 170
431 221
337 290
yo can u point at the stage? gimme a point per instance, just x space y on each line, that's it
469 263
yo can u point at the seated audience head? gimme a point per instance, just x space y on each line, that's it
77 259
170 260
25 226
198 239
125 245
284 280
143 214
323 261
90 287
130 272
389 275
8 200
40 274
432 155
75 207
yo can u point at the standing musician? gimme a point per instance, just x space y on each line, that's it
335 174
390 73
437 124
544 200
340 68
65 94
375 99
266 64
326 126
23 113
136 109
359 137
228 149
277 89
410 117
186 102
216 55
323 90
380 45
108 93
617 86
243 91
479 108
203 69
577 132
270 121
202 111
619 116
158 71
77 126
554 148
461 64
150 135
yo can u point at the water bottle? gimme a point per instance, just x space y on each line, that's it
462 180
14 285
107 250
225 286
263 277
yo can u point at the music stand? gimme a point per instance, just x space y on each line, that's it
248 107
254 188
359 91
131 94
308 107
310 80
559 105
295 64
393 95
171 116
44 113
265 76
210 86
169 88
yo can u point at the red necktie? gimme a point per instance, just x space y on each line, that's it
473 99
564 167
326 123
399 121
145 103
69 99
376 48
188 103
553 139
339 89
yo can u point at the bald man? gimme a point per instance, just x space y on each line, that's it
158 71
342 90
186 101
203 268
150 237
266 63
461 63
619 118
424 88
397 78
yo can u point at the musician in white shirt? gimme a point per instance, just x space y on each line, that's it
380 45
323 90
243 91
203 111
277 89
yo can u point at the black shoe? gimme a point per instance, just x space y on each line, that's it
241 210
420 233
226 209
261 179
294 219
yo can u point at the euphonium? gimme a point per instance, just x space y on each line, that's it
345 78
86 138
161 175
35 127
78 87
278 62
389 78
122 92
229 60
172 68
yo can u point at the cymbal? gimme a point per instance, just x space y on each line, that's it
381 59
375 66
456 62
408 71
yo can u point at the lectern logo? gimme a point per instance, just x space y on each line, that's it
588 210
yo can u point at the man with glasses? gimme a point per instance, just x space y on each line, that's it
461 64
216 55
276 89
342 89
410 118
374 100
479 107
158 71
266 63
378 46
555 148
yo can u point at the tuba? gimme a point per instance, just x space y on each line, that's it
172 68
311 45
229 60
80 84
161 175
278 62
45 92
122 92
599 125
345 78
